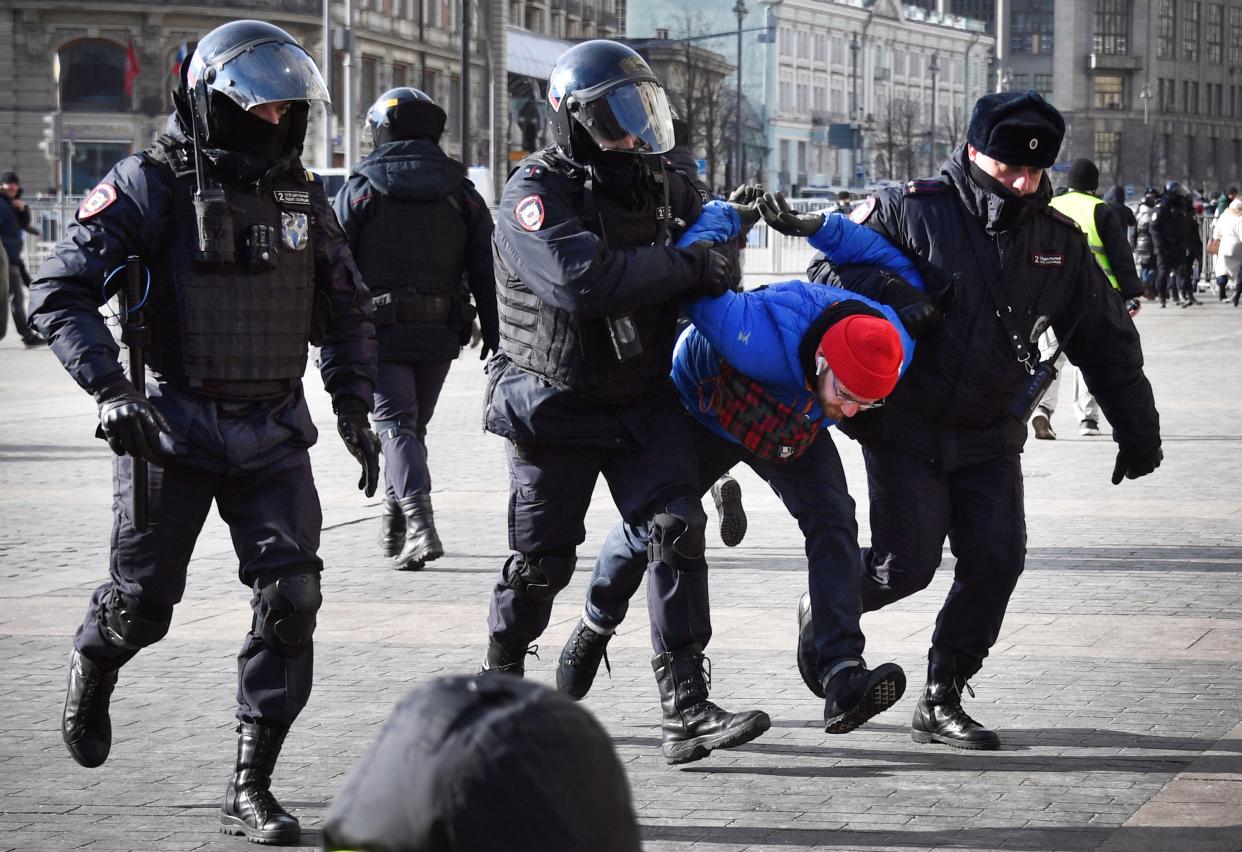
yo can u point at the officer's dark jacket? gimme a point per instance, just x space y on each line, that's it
567 256
415 223
682 158
1112 230
1174 233
152 217
952 406
10 229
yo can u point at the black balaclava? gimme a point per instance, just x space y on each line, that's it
1015 206
244 133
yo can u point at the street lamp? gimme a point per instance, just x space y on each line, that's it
740 10
1146 96
934 68
854 125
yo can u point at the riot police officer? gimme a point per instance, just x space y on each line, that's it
1175 239
415 223
244 263
587 286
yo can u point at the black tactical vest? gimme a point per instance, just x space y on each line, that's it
578 353
414 246
236 330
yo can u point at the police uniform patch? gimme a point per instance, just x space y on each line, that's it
97 201
533 171
862 212
294 229
529 213
298 197
1047 258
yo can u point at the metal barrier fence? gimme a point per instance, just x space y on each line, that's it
766 253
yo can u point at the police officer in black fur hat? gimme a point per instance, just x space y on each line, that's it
239 262
949 438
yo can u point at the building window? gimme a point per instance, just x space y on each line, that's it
1164 30
1043 85
1019 82
91 162
400 75
1109 92
786 41
1190 31
1107 144
1235 36
92 77
1031 26
1112 27
369 82
1215 33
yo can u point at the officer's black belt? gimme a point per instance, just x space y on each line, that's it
392 308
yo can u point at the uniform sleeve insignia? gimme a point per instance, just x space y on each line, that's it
98 200
862 212
294 229
529 213
534 171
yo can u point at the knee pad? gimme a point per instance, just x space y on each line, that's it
392 427
127 623
285 620
678 535
538 577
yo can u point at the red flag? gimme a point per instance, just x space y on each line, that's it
131 69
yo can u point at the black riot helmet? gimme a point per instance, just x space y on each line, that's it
1174 189
405 113
240 65
603 96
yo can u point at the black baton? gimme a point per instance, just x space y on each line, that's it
133 331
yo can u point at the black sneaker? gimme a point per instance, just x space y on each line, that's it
855 694
1043 428
727 495
580 660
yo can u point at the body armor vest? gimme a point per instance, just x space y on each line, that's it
236 330
416 250
578 353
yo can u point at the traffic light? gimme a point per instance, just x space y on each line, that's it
50 143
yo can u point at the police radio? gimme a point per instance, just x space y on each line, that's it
213 220
1033 390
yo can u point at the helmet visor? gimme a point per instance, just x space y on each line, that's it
264 73
634 118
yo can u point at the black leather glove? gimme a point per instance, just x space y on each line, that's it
129 423
781 217
718 265
914 309
489 348
361 441
1131 464
747 193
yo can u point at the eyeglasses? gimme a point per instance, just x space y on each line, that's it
849 399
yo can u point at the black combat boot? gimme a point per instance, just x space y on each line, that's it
249 807
694 726
855 693
807 656
421 542
580 660
506 659
392 528
85 725
939 716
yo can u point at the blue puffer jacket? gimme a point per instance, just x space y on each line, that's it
764 334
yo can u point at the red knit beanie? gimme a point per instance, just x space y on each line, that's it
864 352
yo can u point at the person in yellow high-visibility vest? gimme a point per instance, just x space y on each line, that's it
1106 235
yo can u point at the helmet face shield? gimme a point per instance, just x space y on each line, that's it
634 118
260 74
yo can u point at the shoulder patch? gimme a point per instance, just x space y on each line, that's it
534 171
295 197
860 214
927 186
529 213
1047 258
311 177
1061 217
97 200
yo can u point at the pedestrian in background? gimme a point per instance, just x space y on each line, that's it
418 228
1227 235
234 287
1144 249
943 455
18 277
587 286
1106 236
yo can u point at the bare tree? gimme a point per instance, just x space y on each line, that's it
697 92
899 130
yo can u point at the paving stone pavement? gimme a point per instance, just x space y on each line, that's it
1117 682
